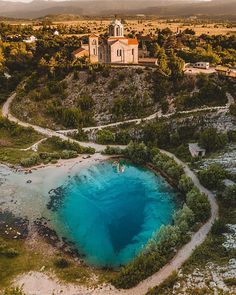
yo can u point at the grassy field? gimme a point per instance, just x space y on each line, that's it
30 258
13 139
147 26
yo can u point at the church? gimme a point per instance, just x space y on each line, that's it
115 48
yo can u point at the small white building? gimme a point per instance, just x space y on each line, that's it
196 151
202 65
6 75
31 39
56 33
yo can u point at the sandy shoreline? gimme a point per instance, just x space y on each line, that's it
20 187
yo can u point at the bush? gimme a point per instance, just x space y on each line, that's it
112 151
70 117
185 183
8 252
213 176
33 160
68 154
61 263
169 166
199 204
85 102
137 152
105 136
229 196
54 155
184 219
167 284
113 84
121 76
211 140
218 227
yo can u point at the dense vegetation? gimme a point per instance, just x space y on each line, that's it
54 149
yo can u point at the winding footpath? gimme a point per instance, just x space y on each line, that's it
182 255
45 131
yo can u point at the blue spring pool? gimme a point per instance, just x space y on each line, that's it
111 213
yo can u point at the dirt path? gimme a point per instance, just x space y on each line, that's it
41 284
45 131
34 147
152 117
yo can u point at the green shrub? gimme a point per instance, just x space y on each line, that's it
105 136
113 84
185 183
33 160
168 165
230 281
218 227
212 140
167 284
199 204
229 196
8 252
137 152
68 154
213 176
61 263
112 151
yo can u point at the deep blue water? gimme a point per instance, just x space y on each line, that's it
110 216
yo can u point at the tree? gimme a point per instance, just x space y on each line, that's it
184 216
163 63
211 140
43 65
176 65
213 176
199 204
167 238
229 196
185 183
137 152
71 117
105 137
85 102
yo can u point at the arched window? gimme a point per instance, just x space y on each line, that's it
94 42
119 52
117 31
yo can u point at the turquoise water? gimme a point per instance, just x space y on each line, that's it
110 216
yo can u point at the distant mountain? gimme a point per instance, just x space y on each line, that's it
40 8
